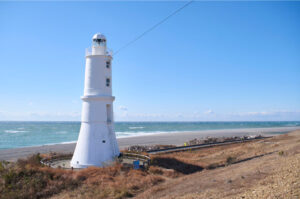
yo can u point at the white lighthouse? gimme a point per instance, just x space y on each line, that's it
97 142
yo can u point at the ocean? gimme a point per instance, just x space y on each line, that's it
24 134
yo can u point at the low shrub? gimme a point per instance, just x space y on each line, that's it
230 160
34 160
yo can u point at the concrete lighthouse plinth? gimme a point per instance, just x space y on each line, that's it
97 144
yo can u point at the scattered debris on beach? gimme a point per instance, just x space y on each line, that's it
145 148
213 140
207 140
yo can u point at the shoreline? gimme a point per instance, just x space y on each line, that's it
172 138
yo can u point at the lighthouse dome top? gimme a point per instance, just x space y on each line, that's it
98 36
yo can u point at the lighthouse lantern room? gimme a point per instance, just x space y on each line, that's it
97 144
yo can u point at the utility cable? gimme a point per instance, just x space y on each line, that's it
153 27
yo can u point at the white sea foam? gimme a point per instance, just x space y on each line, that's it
50 144
141 133
14 131
70 142
223 132
136 127
61 132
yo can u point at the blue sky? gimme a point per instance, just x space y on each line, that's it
211 61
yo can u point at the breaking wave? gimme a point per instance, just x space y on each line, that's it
14 131
136 127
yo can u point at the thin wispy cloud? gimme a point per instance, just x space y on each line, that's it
123 108
208 112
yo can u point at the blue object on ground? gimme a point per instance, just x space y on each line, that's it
136 164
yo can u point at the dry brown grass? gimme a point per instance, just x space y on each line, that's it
170 173
29 179
112 182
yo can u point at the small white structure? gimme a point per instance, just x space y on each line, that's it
97 142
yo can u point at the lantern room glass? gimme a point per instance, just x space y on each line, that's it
99 42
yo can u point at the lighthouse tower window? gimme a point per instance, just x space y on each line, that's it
108 64
107 82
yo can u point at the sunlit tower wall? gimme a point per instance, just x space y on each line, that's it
97 144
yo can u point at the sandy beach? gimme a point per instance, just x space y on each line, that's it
163 138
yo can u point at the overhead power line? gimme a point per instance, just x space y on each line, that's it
153 27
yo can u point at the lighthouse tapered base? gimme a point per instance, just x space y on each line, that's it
96 146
